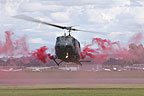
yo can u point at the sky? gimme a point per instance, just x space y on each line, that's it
119 20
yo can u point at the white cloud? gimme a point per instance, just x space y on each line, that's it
105 15
138 14
37 6
10 7
120 34
115 34
141 2
117 17
60 16
98 3
38 40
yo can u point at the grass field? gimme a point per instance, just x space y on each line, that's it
72 92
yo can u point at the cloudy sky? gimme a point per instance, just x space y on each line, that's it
119 19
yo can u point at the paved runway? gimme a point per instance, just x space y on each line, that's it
37 78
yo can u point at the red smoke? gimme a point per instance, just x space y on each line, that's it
13 47
137 51
101 49
136 38
19 47
41 54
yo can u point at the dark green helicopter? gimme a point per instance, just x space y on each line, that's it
67 48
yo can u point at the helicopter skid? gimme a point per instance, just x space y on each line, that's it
58 63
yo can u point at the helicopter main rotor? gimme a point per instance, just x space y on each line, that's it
69 28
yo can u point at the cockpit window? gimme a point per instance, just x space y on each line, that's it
69 39
60 38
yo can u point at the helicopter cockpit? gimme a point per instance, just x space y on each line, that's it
64 38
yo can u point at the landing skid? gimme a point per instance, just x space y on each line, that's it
78 62
58 63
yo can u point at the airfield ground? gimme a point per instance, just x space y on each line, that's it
62 83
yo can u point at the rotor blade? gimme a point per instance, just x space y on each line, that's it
27 18
89 31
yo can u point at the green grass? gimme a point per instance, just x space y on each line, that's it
72 92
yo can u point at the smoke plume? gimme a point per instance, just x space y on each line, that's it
13 47
102 49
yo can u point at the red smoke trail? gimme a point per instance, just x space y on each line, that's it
19 47
136 38
41 54
13 47
136 49
101 49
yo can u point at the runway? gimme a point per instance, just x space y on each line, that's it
61 77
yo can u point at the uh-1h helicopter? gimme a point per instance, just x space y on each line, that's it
67 48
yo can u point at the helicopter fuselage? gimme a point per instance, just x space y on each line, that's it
67 48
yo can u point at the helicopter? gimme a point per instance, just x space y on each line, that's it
67 48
